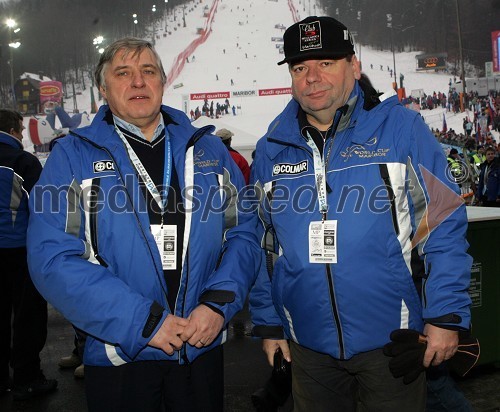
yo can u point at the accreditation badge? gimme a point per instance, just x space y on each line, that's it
166 241
323 242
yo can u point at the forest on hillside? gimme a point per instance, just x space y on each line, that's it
427 25
56 36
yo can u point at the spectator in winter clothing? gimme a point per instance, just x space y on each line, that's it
22 337
455 165
150 275
345 275
488 189
226 137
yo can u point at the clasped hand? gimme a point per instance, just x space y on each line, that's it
199 329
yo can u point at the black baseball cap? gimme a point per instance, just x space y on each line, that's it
317 38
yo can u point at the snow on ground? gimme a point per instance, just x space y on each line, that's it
238 47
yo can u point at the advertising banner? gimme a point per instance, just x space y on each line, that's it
433 61
50 95
209 96
495 50
276 91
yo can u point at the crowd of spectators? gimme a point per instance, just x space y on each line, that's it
214 112
483 118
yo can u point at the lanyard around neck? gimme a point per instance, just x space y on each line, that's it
146 178
320 175
321 164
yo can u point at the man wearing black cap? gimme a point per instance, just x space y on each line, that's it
364 234
455 164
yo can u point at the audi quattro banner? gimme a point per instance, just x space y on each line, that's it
240 93
432 61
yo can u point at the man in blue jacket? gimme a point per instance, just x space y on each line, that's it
23 314
136 238
364 234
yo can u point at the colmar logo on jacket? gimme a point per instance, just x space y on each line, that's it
290 169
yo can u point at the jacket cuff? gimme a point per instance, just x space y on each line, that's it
268 332
217 296
451 321
154 317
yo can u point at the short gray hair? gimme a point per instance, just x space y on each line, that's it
130 45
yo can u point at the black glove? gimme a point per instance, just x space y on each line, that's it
277 389
466 355
407 351
408 348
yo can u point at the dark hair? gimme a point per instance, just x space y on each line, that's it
9 119
130 45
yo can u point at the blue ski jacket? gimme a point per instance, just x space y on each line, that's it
400 235
92 254
19 171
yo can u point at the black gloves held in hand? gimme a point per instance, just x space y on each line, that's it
407 351
407 348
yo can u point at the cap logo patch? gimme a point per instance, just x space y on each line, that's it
310 36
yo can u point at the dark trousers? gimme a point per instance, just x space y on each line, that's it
23 335
442 392
362 383
154 386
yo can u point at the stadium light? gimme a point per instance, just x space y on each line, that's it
13 28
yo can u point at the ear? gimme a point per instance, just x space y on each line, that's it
356 67
102 90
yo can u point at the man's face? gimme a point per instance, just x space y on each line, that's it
322 86
490 155
133 87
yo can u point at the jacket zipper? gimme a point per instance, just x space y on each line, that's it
329 275
338 115
335 311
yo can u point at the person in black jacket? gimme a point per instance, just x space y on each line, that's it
488 189
23 337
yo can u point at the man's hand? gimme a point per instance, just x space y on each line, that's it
441 344
270 346
167 337
203 327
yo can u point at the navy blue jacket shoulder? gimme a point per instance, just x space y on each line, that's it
19 171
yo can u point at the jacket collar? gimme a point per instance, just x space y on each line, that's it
101 131
7 138
365 114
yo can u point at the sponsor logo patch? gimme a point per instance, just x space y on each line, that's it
363 152
197 159
103 166
289 168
